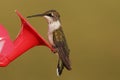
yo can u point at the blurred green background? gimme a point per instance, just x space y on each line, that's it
92 29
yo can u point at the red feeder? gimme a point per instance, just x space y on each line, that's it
27 38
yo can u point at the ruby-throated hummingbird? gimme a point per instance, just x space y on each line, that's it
57 39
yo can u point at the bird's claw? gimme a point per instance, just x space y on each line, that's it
54 49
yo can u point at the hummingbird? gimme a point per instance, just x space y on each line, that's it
57 39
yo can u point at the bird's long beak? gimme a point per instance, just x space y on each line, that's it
36 15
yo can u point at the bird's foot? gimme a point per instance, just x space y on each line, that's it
55 50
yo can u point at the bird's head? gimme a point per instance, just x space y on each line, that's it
51 16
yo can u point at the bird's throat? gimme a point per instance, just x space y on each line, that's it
54 26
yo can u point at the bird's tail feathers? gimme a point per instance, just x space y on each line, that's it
60 67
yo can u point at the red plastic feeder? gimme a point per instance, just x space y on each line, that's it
27 38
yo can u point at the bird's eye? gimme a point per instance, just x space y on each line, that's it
50 15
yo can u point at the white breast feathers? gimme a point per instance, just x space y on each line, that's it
53 26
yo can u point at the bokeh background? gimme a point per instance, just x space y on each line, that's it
92 29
